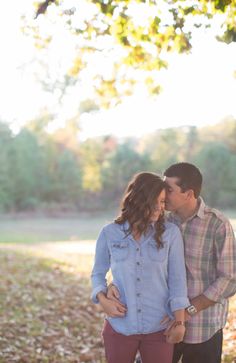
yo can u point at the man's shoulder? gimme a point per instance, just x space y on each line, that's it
216 213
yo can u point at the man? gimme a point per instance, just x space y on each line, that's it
210 255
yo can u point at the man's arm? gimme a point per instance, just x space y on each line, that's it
201 302
225 284
113 292
110 307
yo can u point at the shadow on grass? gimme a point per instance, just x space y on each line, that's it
46 314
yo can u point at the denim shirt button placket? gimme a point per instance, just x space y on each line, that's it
138 292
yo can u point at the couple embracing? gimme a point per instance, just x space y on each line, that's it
172 275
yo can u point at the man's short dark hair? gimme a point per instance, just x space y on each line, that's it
189 177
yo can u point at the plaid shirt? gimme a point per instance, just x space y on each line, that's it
210 257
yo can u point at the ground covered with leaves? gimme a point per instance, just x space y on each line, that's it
46 315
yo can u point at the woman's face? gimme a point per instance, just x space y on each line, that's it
159 207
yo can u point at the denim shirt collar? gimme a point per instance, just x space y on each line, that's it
125 227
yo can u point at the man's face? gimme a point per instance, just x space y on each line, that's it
175 198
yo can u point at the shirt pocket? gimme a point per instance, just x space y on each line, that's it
119 250
155 253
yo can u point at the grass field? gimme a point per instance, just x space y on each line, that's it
29 230
80 227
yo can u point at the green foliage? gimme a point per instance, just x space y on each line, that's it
5 181
51 172
120 166
214 161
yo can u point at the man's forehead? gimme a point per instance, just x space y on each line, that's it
172 181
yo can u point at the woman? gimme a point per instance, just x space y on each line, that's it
145 254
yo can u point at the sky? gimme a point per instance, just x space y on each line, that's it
197 89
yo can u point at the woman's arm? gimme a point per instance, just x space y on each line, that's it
99 282
176 330
101 267
177 283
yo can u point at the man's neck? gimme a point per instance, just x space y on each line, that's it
188 210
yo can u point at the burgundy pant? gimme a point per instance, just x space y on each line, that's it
121 348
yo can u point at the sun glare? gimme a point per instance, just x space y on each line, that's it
197 89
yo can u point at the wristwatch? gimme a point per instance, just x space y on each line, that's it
191 310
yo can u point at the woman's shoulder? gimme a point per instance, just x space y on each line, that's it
113 228
172 228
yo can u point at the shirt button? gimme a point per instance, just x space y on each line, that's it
138 294
137 249
138 263
138 279
139 310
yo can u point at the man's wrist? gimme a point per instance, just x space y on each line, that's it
191 310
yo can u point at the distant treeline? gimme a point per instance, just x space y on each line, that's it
42 171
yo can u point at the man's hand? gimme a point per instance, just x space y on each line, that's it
113 293
112 308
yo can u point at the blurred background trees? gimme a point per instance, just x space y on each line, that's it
41 171
90 55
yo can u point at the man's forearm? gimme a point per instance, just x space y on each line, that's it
101 297
201 302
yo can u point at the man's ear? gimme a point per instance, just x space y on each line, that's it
190 194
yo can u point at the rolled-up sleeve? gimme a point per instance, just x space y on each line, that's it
224 285
101 267
177 273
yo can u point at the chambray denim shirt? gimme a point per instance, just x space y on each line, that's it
151 281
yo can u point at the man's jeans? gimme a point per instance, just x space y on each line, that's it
206 352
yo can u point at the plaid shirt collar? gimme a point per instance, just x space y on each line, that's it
199 213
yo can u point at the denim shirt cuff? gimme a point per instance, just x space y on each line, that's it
100 288
178 303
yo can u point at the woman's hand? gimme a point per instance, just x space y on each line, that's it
112 308
175 333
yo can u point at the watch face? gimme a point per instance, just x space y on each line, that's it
192 310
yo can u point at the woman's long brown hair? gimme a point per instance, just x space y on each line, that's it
139 203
